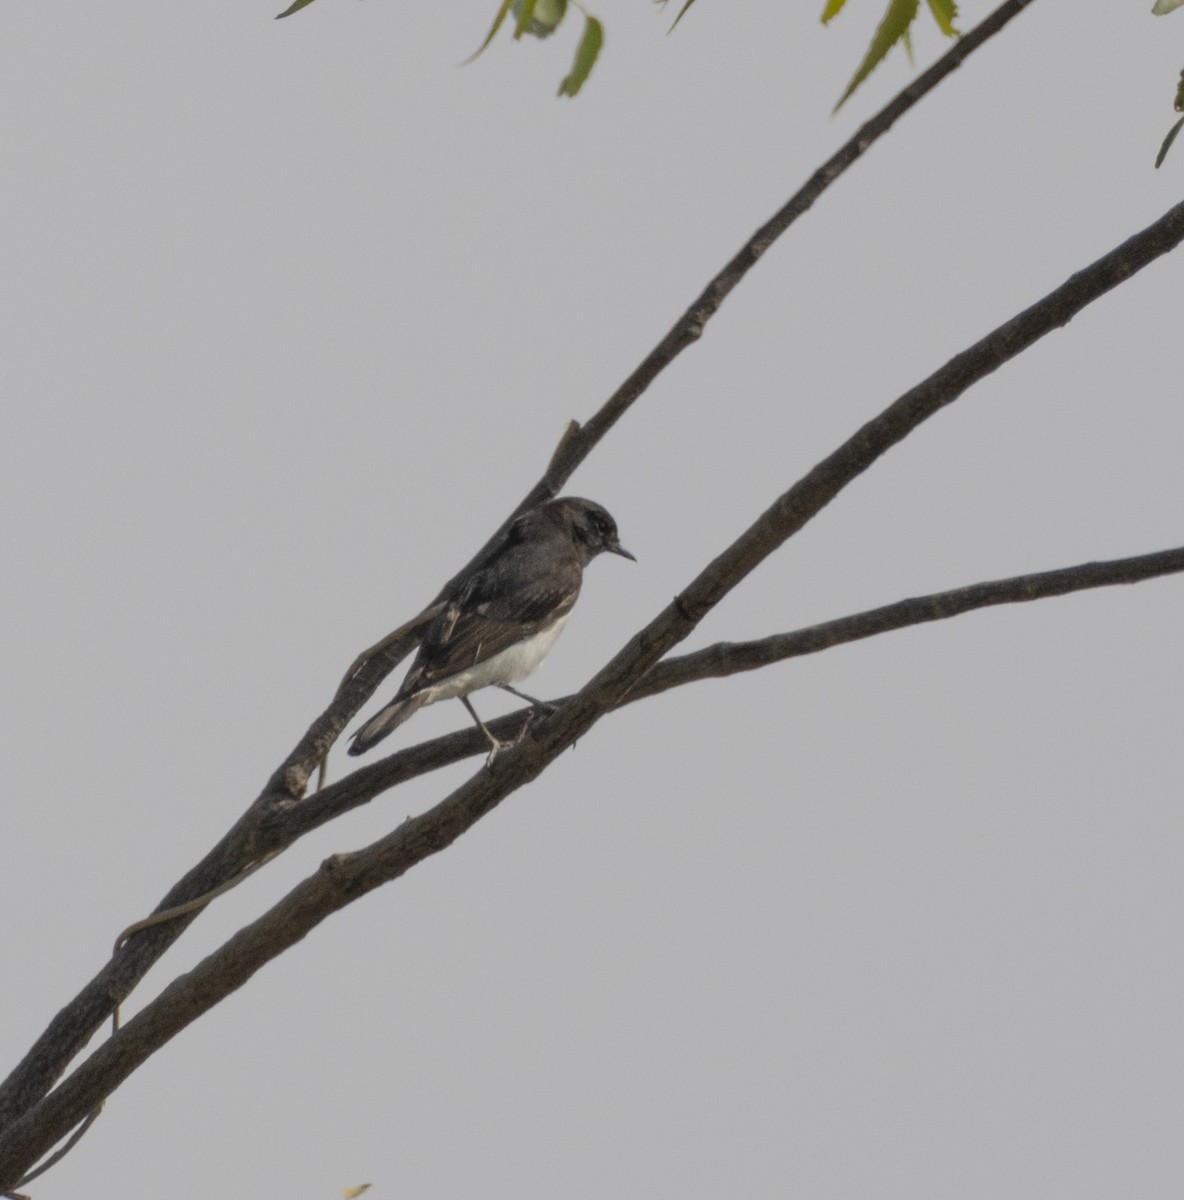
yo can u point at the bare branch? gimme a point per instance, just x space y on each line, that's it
720 660
578 442
689 327
730 658
73 1027
344 878
813 492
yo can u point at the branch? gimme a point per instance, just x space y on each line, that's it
578 442
75 1024
343 878
812 493
730 658
718 661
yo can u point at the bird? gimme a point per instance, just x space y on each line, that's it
502 616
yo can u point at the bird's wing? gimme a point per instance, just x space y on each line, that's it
487 617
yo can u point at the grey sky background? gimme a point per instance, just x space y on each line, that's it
296 313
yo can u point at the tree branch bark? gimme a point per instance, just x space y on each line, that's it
343 878
717 662
73 1027
578 442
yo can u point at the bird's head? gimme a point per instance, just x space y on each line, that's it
591 527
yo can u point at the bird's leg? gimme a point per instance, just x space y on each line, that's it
542 705
494 744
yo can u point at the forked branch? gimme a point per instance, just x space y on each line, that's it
75 1024
345 877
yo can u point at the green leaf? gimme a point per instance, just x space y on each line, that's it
586 54
831 10
945 13
1167 142
1165 6
547 15
543 19
524 16
296 7
894 26
497 24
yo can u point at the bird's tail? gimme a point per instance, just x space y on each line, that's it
382 723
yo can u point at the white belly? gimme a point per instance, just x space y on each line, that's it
513 663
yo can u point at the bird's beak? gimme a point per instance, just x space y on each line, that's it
617 548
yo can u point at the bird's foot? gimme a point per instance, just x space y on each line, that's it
495 748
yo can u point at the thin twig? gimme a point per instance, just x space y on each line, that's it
60 1153
161 915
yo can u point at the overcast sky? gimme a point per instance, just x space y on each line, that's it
296 313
